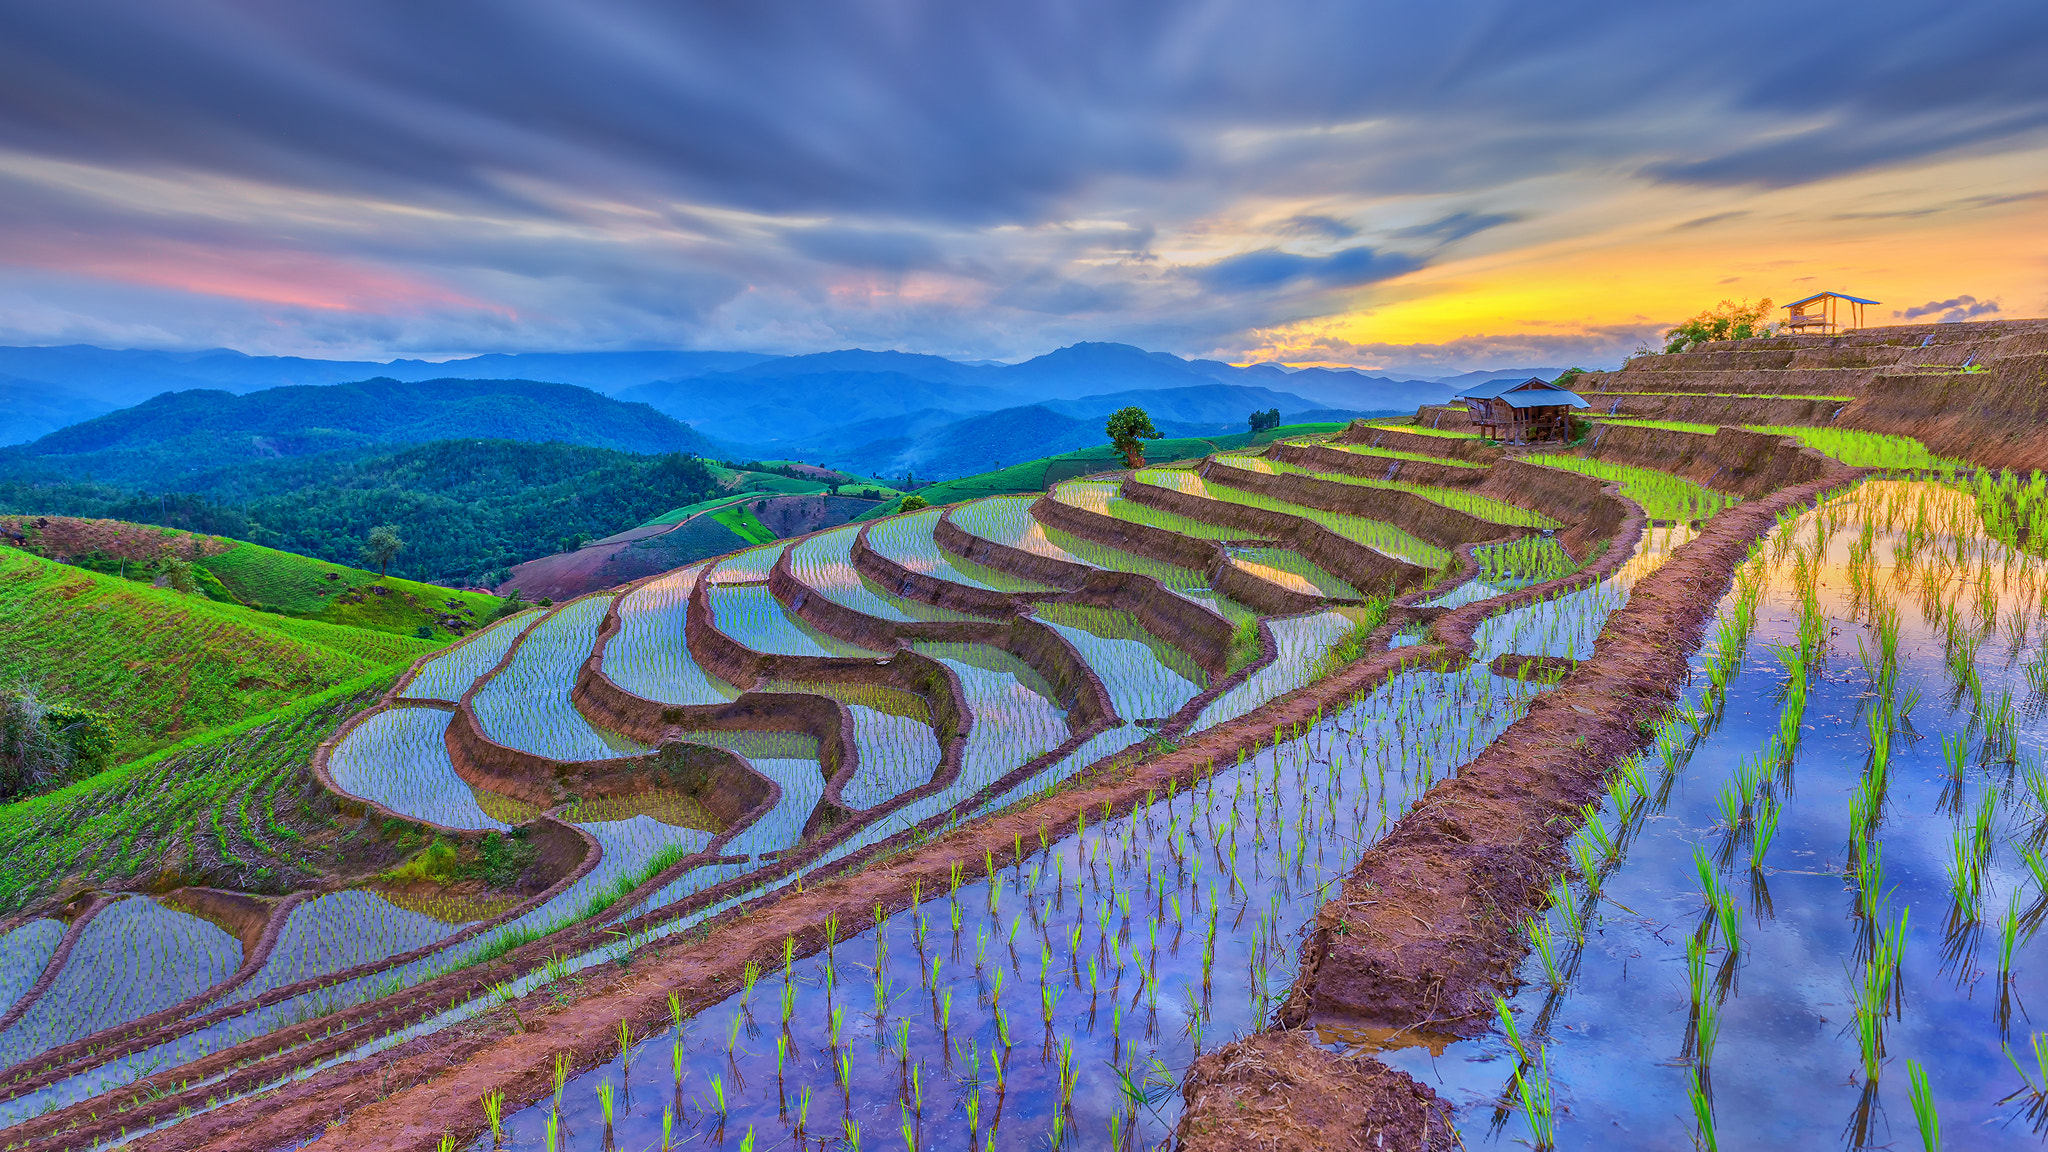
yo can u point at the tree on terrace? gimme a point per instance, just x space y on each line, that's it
382 547
1724 321
1265 421
1128 429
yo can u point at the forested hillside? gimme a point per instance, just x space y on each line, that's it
465 508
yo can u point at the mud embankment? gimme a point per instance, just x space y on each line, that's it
1689 377
1208 557
1201 633
1317 458
1276 1090
1701 409
1997 418
1423 934
1372 572
1749 464
1467 448
1420 517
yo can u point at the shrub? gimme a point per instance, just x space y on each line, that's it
43 745
435 864
913 502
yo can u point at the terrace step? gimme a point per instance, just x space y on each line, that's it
1173 602
1378 550
1443 517
1469 449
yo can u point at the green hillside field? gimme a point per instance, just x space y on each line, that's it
295 585
164 665
234 807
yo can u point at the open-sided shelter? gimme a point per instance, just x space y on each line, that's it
1521 412
1824 311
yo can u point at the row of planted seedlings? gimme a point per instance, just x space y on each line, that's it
1051 995
612 853
139 959
354 947
1806 916
633 846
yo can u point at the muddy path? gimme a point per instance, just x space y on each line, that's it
1425 932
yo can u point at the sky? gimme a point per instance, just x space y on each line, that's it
1397 186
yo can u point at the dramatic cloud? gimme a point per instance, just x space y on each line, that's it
1273 268
1951 311
383 177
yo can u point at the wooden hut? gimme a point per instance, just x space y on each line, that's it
1823 312
1520 413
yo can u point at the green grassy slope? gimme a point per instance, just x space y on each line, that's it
164 665
744 523
298 585
234 808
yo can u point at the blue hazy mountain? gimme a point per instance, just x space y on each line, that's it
739 397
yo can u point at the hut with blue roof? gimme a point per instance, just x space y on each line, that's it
1522 412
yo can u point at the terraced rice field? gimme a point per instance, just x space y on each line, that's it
398 759
1154 961
1377 535
1662 495
1484 507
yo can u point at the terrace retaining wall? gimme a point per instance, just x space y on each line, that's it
1593 510
1317 458
1997 418
929 589
1201 633
1209 557
1686 377
1372 572
1749 464
1718 410
1419 516
1469 448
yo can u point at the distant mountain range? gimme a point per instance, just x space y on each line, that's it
160 443
747 402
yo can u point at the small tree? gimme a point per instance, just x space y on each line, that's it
383 547
1128 429
1724 321
1265 421
913 502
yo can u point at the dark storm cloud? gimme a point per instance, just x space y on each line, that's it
974 112
1271 268
641 172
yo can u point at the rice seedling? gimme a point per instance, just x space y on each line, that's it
1540 938
1925 1117
1702 1111
1537 1105
1508 1029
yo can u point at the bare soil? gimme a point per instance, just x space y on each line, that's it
1425 931
66 537
1279 1092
